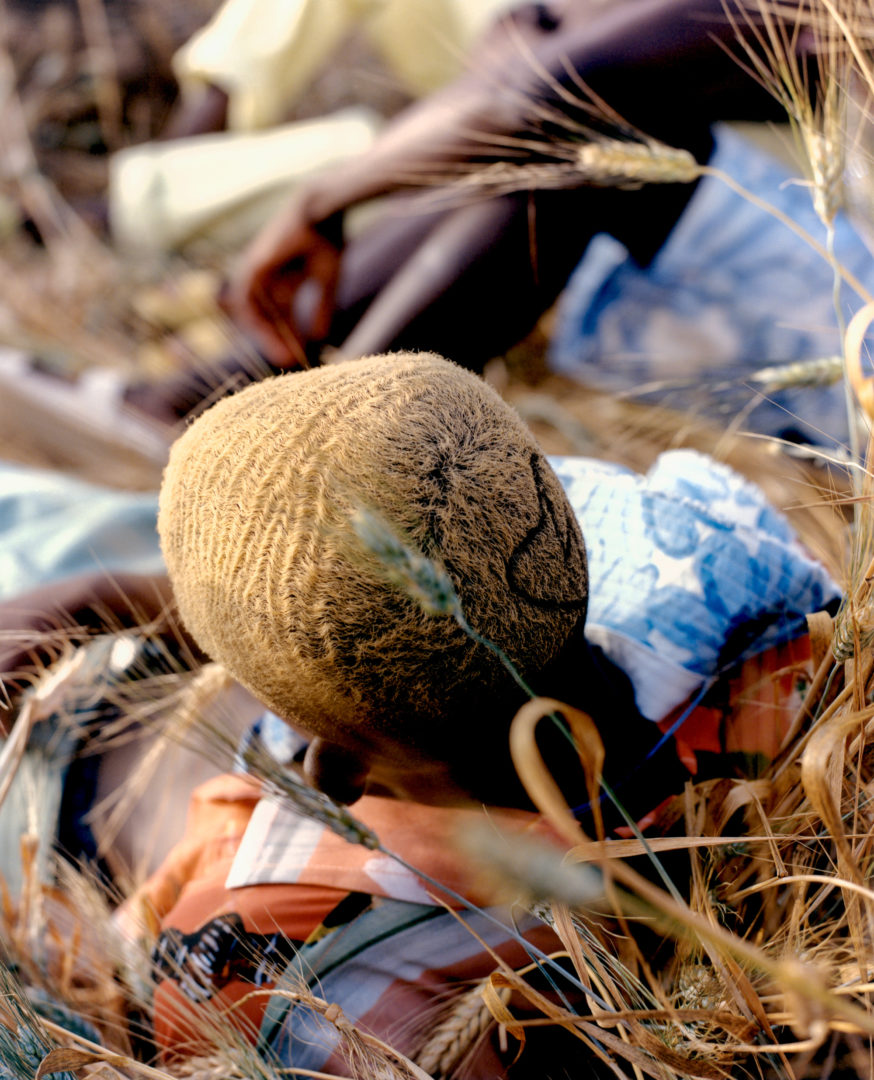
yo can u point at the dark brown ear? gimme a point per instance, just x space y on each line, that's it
338 772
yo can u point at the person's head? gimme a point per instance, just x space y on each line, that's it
260 525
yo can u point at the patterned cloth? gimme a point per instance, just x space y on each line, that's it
398 969
681 561
732 291
746 717
690 569
394 958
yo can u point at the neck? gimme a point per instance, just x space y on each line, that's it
582 676
640 775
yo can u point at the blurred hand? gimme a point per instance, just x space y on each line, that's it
291 265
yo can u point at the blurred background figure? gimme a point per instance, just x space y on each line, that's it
246 73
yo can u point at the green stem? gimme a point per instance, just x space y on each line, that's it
496 649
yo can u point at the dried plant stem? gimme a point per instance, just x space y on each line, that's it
851 38
103 70
815 879
804 714
45 699
823 371
646 162
854 341
842 698
19 161
216 1068
102 1054
616 162
291 1071
68 240
793 975
466 1021
721 945
763 204
336 1017
851 407
195 696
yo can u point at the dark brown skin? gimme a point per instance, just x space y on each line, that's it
204 112
473 761
471 280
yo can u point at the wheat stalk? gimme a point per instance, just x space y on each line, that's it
216 1067
212 1067
101 58
467 1019
44 700
823 371
603 162
615 161
367 1055
818 120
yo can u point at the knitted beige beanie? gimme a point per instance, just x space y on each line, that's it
274 582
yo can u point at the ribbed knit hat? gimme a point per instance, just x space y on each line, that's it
274 582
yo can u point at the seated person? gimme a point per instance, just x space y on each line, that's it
469 276
688 573
471 279
300 521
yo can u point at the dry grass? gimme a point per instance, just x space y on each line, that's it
770 919
773 935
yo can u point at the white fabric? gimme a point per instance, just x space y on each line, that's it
164 195
53 527
690 568
264 53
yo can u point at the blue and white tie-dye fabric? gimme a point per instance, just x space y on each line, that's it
731 292
53 526
682 562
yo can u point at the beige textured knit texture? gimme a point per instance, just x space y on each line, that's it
273 581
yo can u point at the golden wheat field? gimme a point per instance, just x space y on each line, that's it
760 891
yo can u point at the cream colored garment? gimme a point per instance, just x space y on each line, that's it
167 194
264 53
